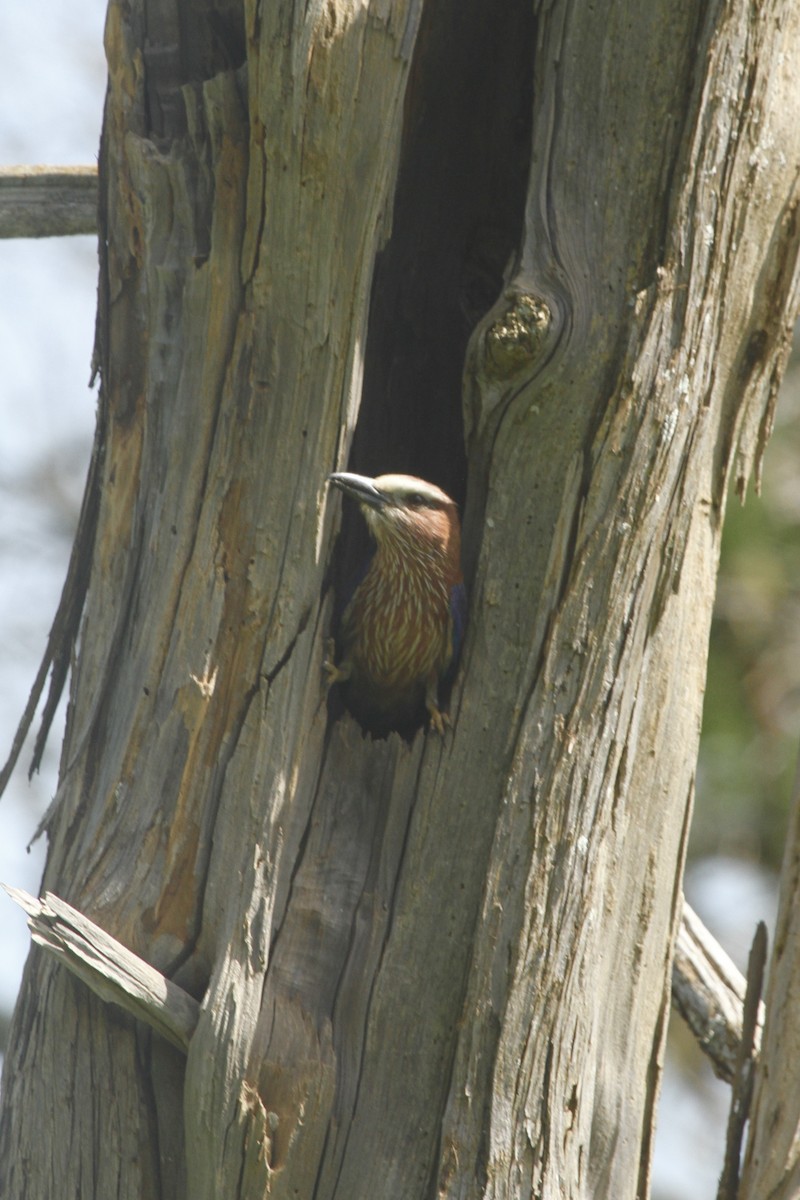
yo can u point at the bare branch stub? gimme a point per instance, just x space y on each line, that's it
708 991
47 201
113 972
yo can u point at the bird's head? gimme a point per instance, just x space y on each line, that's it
404 511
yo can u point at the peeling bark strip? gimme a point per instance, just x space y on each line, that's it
437 969
61 640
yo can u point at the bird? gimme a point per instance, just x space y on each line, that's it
402 627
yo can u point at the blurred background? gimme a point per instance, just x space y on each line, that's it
52 85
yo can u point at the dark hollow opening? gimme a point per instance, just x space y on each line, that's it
457 220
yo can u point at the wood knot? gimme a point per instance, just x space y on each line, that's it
516 337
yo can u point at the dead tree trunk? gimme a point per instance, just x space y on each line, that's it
437 969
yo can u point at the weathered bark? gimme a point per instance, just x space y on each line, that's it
707 989
438 968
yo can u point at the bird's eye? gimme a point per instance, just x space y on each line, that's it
416 500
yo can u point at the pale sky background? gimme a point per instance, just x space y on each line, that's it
52 84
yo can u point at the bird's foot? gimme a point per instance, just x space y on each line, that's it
334 674
439 720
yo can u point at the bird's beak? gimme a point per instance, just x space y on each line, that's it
360 487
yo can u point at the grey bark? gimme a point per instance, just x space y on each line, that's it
708 990
440 968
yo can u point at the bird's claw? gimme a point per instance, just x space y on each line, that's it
440 721
334 674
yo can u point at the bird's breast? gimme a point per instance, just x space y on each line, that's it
397 629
